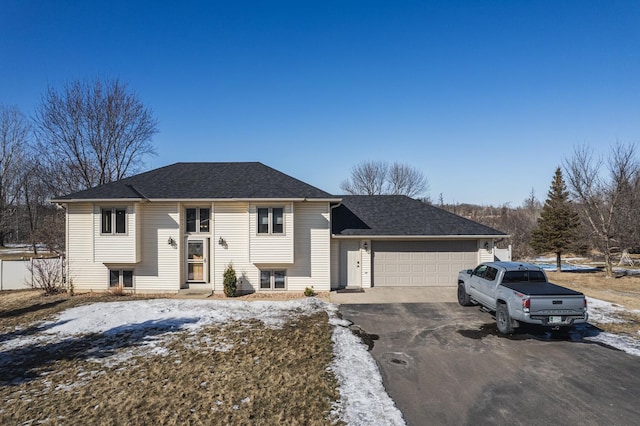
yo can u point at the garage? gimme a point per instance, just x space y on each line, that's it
396 241
421 263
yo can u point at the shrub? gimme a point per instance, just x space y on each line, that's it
118 291
309 292
230 281
46 274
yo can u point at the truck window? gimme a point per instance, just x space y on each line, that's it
523 276
491 273
537 277
480 270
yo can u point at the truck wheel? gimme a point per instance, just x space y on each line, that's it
463 297
503 319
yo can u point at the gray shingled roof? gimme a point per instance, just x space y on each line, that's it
205 181
398 215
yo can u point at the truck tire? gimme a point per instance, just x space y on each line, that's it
503 319
463 297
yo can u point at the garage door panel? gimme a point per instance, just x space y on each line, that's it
421 263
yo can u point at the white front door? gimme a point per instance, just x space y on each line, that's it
197 261
354 269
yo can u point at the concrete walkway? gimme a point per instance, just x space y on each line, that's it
395 295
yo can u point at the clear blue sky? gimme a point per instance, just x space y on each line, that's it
485 97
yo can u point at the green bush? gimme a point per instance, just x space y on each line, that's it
230 281
309 292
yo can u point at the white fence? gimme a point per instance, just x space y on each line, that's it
503 255
16 274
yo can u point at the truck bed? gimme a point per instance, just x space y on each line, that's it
541 289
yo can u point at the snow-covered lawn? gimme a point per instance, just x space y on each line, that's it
601 312
363 399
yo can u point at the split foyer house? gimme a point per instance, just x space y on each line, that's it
181 225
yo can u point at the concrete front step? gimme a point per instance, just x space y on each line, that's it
194 293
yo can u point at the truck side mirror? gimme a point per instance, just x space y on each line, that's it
469 271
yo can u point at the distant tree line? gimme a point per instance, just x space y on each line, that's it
591 209
84 134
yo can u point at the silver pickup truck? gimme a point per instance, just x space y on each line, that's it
520 292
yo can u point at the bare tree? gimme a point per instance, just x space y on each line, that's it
91 133
14 139
600 196
380 177
367 178
47 275
40 215
406 180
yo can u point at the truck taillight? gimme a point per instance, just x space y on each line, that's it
585 304
526 304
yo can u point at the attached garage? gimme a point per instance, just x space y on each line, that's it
421 263
396 241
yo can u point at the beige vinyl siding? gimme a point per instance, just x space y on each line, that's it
312 246
117 248
231 222
139 221
335 263
234 222
276 248
159 271
365 263
82 272
485 255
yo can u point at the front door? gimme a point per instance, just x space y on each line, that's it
354 270
197 268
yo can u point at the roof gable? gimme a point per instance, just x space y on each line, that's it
204 181
399 215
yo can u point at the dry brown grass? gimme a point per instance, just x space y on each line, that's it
271 295
623 291
242 373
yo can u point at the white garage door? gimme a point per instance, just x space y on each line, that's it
421 263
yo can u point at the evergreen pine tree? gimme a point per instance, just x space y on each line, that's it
558 222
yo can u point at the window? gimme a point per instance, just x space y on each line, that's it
491 274
273 280
270 220
479 271
121 278
114 219
198 219
263 221
277 220
524 276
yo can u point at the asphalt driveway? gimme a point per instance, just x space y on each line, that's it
445 364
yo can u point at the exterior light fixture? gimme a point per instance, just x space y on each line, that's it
171 241
221 241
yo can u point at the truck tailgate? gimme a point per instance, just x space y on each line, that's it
550 299
557 305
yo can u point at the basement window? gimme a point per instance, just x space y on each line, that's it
273 280
121 278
